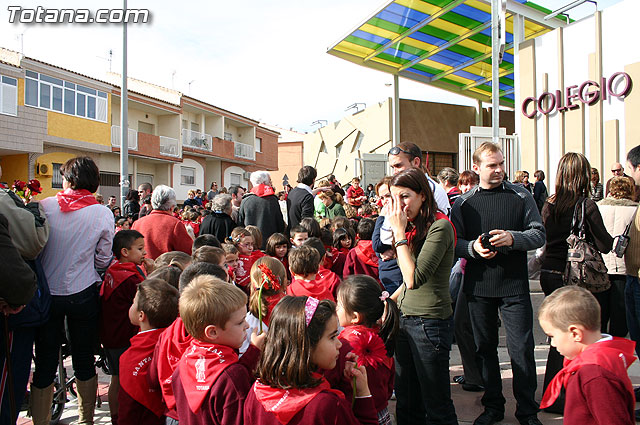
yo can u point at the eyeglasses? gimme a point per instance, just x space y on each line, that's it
247 244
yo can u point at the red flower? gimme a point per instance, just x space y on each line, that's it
366 344
34 186
18 185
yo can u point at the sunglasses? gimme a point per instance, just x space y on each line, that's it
396 150
619 170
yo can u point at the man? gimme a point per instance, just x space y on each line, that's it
112 202
144 191
213 191
260 207
300 199
496 277
618 171
237 193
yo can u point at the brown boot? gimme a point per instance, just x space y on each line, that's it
86 400
40 401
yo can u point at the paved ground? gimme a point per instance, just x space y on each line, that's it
467 404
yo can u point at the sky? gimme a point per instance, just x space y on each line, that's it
262 59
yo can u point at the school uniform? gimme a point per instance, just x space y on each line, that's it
243 271
320 288
361 259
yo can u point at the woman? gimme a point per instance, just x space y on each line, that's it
370 192
332 204
467 181
131 207
596 191
540 193
522 178
573 184
448 178
261 208
618 210
191 201
81 233
219 223
424 243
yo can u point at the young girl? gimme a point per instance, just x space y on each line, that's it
257 238
268 273
231 260
243 241
302 339
278 246
361 305
343 240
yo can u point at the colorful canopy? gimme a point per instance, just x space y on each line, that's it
446 43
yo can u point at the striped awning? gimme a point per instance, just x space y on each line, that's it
445 43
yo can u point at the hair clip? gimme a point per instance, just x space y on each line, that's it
271 281
384 296
310 308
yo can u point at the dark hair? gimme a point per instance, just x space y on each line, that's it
539 174
233 190
286 360
124 239
343 222
147 200
317 244
170 274
361 294
468 177
208 254
634 156
341 234
304 260
573 182
365 229
198 269
132 195
146 186
307 175
312 226
257 236
159 301
274 241
331 178
297 229
82 173
326 236
205 240
415 180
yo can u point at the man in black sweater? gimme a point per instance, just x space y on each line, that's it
300 199
496 278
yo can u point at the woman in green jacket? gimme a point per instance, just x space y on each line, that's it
333 204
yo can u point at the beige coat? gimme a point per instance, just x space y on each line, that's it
616 214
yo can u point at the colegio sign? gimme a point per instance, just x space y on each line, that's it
589 92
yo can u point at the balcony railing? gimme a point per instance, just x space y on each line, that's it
244 151
195 139
170 146
115 137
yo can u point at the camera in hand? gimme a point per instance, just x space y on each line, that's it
621 245
484 241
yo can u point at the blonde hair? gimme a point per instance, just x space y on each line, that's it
488 147
257 236
571 305
258 278
209 301
621 188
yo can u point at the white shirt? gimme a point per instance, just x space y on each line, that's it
305 187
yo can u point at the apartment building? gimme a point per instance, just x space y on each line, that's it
49 114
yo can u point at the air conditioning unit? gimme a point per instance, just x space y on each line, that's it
44 169
247 175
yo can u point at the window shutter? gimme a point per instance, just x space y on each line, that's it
9 99
101 109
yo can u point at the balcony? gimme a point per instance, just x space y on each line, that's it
115 137
170 147
196 140
244 151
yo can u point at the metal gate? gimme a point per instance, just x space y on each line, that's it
469 142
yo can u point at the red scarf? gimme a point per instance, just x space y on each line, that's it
116 274
200 366
285 404
173 342
73 200
263 190
367 345
614 355
345 251
311 288
134 367
364 252
257 254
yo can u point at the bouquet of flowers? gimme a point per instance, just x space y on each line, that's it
26 191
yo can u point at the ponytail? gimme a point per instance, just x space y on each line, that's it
390 323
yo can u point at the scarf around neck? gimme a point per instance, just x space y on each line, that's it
73 200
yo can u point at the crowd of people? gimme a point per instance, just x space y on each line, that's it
317 303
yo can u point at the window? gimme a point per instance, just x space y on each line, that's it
235 178
195 127
9 96
358 141
145 127
56 179
187 176
258 144
58 95
228 136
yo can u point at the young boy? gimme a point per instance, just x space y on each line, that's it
210 383
154 307
361 259
298 235
325 277
304 263
116 294
598 389
231 260
355 194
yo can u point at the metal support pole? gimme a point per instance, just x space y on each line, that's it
495 70
124 119
396 110
518 37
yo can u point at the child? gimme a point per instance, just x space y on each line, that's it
178 259
312 226
243 241
304 263
122 224
325 277
210 382
231 260
154 307
278 246
598 389
362 259
298 235
343 240
361 307
341 223
209 254
302 340
257 239
116 294
268 273
169 274
355 194
334 259
205 240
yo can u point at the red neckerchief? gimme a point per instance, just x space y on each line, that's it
243 271
285 404
263 190
135 362
367 345
411 234
116 274
200 366
327 279
310 288
172 344
365 253
257 254
73 200
272 300
345 251
615 355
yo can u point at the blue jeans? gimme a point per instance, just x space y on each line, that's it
422 383
632 304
